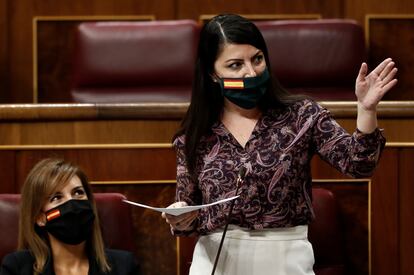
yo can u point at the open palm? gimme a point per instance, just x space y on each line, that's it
370 89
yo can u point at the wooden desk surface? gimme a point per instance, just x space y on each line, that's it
36 124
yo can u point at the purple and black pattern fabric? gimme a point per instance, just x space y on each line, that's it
277 187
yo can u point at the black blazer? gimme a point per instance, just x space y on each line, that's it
21 263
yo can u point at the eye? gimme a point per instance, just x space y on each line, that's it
258 59
235 65
79 192
55 197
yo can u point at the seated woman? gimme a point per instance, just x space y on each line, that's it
59 229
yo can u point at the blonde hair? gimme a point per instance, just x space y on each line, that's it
45 178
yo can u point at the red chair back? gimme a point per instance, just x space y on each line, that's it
128 62
320 58
326 234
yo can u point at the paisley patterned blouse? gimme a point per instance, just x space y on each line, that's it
277 186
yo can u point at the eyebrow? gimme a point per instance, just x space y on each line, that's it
54 194
78 187
240 59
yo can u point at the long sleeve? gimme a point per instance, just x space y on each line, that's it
355 155
187 190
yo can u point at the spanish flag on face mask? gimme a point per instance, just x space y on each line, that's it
53 215
233 84
245 92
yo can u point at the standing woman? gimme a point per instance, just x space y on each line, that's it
239 116
59 230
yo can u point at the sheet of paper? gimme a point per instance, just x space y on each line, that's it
181 210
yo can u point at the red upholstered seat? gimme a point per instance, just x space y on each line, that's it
326 235
153 61
115 217
320 58
134 61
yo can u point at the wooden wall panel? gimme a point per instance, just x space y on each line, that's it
385 217
357 9
8 173
111 164
328 9
87 132
393 36
4 61
406 215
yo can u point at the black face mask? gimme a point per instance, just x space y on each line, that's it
245 92
71 222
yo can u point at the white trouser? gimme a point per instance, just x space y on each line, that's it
279 251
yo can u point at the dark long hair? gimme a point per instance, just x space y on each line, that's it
207 101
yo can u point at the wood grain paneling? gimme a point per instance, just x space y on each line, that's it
4 60
385 215
8 172
87 132
328 9
106 164
393 36
406 215
204 18
357 9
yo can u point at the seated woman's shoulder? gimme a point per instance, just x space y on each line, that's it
122 262
19 262
116 253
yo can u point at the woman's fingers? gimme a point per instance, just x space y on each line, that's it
387 70
185 223
362 72
174 205
390 76
181 219
388 86
378 70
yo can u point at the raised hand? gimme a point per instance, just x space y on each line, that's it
370 89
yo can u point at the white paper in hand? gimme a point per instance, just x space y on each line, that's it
181 210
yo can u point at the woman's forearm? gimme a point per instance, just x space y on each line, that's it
366 120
